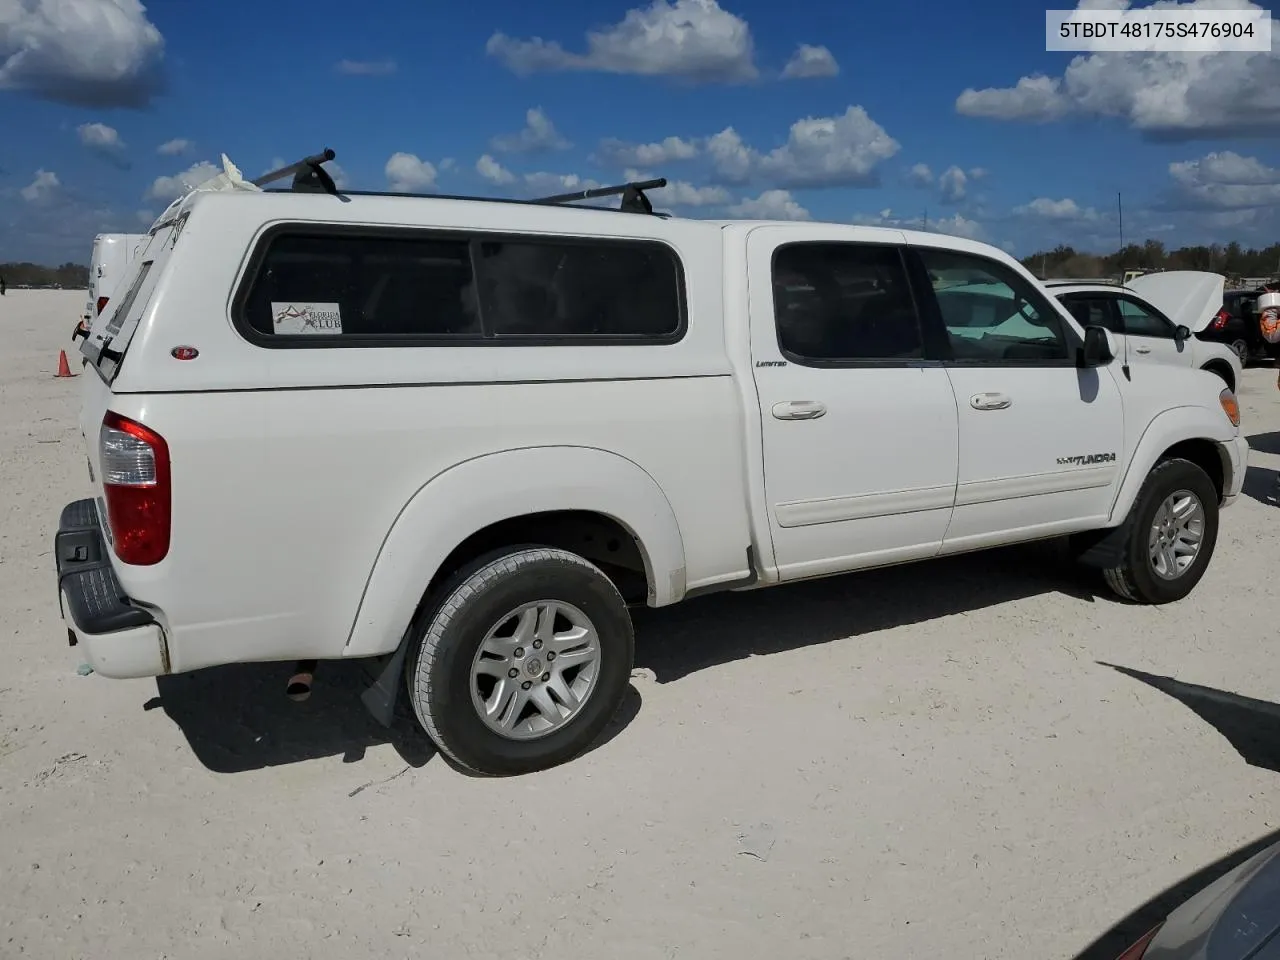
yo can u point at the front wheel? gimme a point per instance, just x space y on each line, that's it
1171 533
523 662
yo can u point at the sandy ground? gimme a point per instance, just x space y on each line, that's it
932 761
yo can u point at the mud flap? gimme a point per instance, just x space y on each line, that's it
381 698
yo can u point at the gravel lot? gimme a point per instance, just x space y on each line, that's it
981 757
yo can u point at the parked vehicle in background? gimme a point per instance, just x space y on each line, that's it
1236 324
460 436
1154 319
1237 917
113 255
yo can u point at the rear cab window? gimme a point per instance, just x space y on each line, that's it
310 286
108 341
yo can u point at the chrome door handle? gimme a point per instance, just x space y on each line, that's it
799 410
990 401
1141 349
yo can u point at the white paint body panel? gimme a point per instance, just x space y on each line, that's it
316 491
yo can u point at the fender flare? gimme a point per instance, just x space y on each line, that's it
476 493
1166 429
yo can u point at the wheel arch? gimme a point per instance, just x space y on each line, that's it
1192 433
1223 369
516 497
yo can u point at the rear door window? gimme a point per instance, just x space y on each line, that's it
844 303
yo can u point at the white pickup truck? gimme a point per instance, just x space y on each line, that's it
461 436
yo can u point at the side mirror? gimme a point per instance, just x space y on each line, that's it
1099 347
1181 333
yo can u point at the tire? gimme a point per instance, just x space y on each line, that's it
1241 348
449 681
1138 578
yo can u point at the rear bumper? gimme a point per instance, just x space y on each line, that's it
120 638
1236 454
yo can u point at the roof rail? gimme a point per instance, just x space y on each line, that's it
308 174
633 198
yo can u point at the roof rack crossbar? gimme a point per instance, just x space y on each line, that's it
633 198
308 174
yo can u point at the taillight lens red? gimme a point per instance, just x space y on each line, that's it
1139 949
137 489
1220 319
102 302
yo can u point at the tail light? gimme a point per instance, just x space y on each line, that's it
137 488
1220 319
102 302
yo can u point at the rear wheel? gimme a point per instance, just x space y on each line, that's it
523 662
1170 535
1241 348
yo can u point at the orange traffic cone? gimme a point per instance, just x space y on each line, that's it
64 368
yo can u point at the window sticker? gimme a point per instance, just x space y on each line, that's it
306 318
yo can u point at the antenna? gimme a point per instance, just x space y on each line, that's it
1120 211
308 174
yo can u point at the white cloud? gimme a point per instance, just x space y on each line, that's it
1045 208
98 136
680 193
1037 98
809 62
954 226
953 183
732 158
365 68
447 164
550 184
86 53
170 188
1183 95
407 173
694 40
145 217
1226 181
539 134
620 153
43 187
819 152
337 173
174 148
493 171
920 175
770 205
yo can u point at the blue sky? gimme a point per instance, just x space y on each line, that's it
803 110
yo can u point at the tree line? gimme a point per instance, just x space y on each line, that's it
70 276
1231 260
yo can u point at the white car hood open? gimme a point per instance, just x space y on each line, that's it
1189 298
